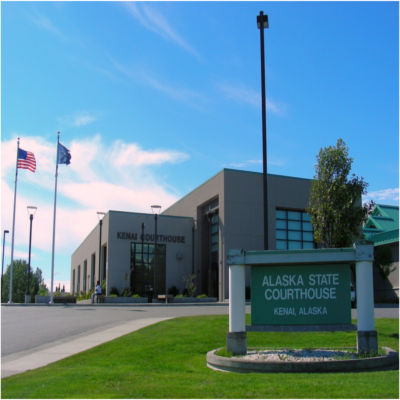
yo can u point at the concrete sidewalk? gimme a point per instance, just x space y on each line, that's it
39 357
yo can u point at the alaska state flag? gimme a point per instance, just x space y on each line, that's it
64 156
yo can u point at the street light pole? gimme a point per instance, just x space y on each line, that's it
31 213
262 23
2 260
156 209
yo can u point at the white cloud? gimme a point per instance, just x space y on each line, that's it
125 155
83 119
389 195
242 94
98 179
77 119
152 20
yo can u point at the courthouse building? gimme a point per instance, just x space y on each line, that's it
193 236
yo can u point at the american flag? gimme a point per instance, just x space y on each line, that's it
26 160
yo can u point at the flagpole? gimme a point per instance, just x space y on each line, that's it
54 222
13 226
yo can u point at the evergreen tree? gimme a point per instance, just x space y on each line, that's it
335 204
20 280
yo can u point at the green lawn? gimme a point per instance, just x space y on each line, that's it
168 360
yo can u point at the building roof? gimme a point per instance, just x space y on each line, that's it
382 226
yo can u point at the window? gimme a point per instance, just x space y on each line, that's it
147 268
73 281
214 233
78 283
92 270
84 275
293 230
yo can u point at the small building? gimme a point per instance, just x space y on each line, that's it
193 236
382 229
129 258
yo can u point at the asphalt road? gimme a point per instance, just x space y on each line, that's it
24 328
27 327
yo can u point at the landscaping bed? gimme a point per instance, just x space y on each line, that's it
56 299
194 299
120 299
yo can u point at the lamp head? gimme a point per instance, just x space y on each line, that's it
31 210
6 231
156 209
262 21
100 215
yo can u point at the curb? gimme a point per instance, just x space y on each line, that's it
389 361
199 304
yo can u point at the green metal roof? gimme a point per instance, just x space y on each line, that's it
382 226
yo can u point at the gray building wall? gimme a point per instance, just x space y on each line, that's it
178 255
239 195
88 248
119 230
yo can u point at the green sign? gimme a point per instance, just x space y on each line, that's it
300 295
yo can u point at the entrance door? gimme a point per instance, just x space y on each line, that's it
148 269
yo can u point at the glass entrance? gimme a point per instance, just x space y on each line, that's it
148 269
213 255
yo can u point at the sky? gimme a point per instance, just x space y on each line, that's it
154 98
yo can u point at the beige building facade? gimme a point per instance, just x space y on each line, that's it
194 235
128 260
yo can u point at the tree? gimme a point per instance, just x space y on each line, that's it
190 287
20 278
384 261
335 204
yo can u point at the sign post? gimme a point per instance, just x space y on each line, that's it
301 290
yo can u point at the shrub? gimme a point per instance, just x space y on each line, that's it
65 299
113 295
179 296
114 290
202 296
173 290
43 291
135 296
190 287
82 296
126 293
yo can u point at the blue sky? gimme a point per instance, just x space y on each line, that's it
154 98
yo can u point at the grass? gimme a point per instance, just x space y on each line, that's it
168 360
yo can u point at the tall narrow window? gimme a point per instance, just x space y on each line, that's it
148 268
92 270
84 276
293 230
78 281
73 281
